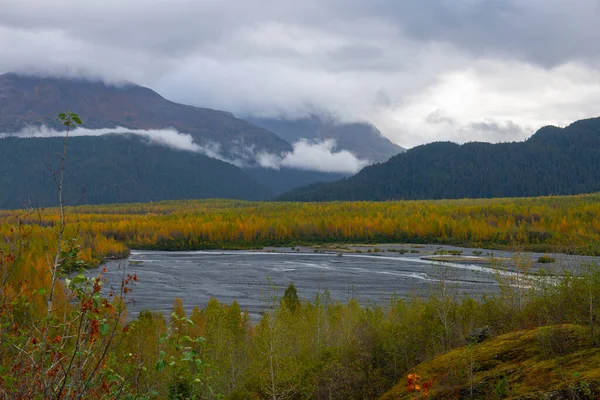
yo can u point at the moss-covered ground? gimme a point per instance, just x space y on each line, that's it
555 362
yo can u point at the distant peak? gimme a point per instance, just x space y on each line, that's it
28 81
33 76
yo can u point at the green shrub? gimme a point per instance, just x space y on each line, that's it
557 341
399 251
546 260
501 388
451 252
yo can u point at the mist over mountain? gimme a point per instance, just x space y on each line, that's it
554 161
362 139
29 106
29 101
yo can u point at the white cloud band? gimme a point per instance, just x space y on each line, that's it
314 156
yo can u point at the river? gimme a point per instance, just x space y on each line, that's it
253 278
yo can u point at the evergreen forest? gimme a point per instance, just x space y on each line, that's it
554 161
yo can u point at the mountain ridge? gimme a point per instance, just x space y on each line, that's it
33 101
28 102
362 139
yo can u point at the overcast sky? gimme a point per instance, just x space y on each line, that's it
420 70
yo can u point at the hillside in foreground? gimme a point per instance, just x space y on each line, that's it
553 362
553 161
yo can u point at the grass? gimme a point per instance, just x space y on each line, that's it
549 362
448 252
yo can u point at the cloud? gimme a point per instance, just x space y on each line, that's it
164 137
170 138
438 117
315 156
547 33
389 62
269 160
502 93
507 129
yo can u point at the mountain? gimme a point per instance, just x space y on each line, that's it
27 101
362 139
279 181
554 161
33 101
114 168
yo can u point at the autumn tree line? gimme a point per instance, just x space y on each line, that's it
568 224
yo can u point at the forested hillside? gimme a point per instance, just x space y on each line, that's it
114 168
281 180
553 161
30 101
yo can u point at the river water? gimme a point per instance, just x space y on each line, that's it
253 278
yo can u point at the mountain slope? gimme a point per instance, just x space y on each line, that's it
553 161
553 362
114 168
28 100
362 139
278 181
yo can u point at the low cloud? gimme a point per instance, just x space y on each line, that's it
170 138
502 130
315 156
438 117
164 137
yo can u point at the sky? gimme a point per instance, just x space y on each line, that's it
420 70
